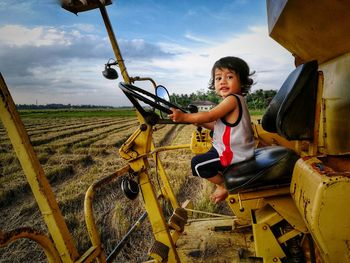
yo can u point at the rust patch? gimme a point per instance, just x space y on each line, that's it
347 243
321 168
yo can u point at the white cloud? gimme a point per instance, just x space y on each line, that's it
192 37
190 69
63 65
81 27
15 35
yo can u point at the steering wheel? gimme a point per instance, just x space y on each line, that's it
133 92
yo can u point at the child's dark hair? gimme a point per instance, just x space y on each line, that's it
239 66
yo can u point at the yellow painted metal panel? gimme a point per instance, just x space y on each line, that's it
265 138
336 96
323 33
322 196
266 245
285 206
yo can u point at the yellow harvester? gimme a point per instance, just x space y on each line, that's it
290 201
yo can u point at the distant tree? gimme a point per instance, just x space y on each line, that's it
257 100
260 99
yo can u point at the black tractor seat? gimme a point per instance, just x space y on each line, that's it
271 165
290 115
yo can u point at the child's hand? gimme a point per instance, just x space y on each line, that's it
177 115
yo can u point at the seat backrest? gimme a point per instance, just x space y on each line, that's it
291 112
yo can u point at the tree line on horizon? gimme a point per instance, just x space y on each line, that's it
257 100
58 106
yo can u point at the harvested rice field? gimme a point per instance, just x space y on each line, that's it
75 152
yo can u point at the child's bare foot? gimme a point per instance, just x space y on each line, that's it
219 194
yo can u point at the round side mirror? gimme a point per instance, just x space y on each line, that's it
163 93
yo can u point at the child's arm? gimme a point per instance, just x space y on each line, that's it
228 105
208 125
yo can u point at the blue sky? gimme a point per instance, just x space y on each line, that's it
48 55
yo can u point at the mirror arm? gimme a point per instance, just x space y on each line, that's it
137 78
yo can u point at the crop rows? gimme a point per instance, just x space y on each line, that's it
74 153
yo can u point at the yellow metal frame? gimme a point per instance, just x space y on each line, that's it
32 234
244 202
36 177
201 141
266 244
96 250
136 150
311 188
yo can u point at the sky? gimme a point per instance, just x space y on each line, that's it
49 55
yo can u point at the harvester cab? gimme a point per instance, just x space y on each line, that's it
289 202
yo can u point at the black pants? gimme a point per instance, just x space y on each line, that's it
207 165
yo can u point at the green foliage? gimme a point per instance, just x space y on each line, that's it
258 100
185 99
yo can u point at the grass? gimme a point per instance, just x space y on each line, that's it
257 112
74 113
79 113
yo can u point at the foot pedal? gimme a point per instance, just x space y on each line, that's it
159 251
178 219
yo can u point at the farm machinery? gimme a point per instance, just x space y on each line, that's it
289 202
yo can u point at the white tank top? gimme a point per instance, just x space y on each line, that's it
234 142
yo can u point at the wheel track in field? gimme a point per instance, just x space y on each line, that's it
101 140
78 143
171 134
94 138
66 132
84 139
31 124
60 127
66 171
70 133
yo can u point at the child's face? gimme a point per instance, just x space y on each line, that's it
226 82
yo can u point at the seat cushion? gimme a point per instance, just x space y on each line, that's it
271 166
291 112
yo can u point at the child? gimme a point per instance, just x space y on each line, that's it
233 136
